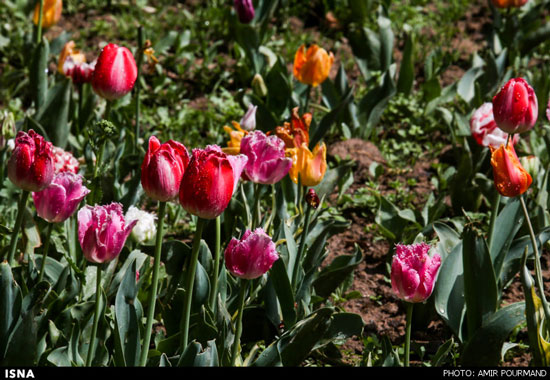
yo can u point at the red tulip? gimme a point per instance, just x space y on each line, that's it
162 169
515 107
31 164
115 72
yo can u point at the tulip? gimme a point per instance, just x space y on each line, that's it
245 10
102 232
209 181
146 228
508 3
51 13
251 256
312 65
31 164
295 133
235 137
267 163
312 198
57 202
64 161
79 72
115 72
70 51
162 169
485 130
7 129
308 166
515 106
248 122
511 179
413 272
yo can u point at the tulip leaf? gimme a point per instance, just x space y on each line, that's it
466 84
279 91
39 74
283 288
448 239
201 288
373 104
10 305
54 115
195 356
334 274
406 72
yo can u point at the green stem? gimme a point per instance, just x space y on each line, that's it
257 216
80 97
273 210
18 221
408 332
45 251
245 203
184 330
217 254
494 212
308 96
538 270
39 26
239 328
298 262
138 85
154 288
91 348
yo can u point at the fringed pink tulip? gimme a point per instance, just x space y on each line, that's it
64 161
251 256
30 166
102 232
485 130
115 72
515 107
57 202
413 272
209 181
267 163
162 169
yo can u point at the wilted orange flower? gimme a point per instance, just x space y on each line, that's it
309 166
235 137
51 13
508 3
70 51
511 179
296 132
312 66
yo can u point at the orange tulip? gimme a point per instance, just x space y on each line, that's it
70 51
295 133
51 13
511 179
312 66
309 166
508 3
235 137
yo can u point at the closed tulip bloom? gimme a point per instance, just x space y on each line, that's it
509 3
162 169
511 179
79 72
209 181
51 12
413 272
484 128
31 163
267 163
115 72
309 166
251 256
312 65
245 10
515 106
57 202
248 122
102 232
69 50
146 228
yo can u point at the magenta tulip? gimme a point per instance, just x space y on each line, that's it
162 169
484 129
267 163
251 256
115 72
515 107
30 166
57 202
413 272
245 10
102 232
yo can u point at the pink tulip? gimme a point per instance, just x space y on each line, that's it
484 129
102 232
251 256
57 202
209 181
245 10
267 163
515 107
115 72
413 272
30 166
162 169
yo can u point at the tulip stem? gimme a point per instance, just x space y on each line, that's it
138 86
494 212
245 203
192 267
39 26
538 270
308 96
298 261
154 288
409 307
45 251
18 221
239 326
217 254
257 216
273 209
91 348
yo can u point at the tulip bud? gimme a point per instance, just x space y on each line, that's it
413 272
7 128
248 122
531 164
31 163
57 202
484 129
245 10
102 232
115 72
511 179
515 106
258 86
508 3
312 198
146 228
51 12
312 66
251 256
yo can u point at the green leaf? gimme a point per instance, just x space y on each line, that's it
39 73
195 356
10 306
406 71
333 275
466 84
54 115
283 288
